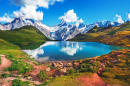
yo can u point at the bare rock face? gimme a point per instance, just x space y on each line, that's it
39 25
1 27
65 31
73 32
17 23
66 34
7 26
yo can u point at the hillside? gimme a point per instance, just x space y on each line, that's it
119 36
116 67
4 45
23 36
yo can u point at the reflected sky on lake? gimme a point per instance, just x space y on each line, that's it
66 50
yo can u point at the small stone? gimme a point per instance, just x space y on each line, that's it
48 69
63 70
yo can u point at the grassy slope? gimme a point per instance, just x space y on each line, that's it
4 45
23 36
13 53
116 72
119 36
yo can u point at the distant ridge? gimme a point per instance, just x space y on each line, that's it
119 35
61 31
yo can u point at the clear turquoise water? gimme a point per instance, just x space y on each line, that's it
66 50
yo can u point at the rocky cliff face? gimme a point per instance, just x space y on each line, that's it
1 27
17 23
39 25
64 31
67 33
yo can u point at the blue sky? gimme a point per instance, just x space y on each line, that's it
49 11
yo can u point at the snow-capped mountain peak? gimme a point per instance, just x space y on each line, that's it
63 23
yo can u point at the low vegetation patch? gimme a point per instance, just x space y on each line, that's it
17 56
19 65
42 75
68 80
18 82
5 75
88 66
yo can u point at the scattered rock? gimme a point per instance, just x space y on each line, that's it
63 70
115 61
30 78
69 64
48 69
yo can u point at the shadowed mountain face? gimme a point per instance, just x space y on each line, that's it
61 31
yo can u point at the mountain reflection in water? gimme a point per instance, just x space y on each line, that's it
66 50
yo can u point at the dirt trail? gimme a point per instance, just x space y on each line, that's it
93 80
100 71
37 69
5 63
102 65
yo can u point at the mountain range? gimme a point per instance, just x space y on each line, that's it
61 31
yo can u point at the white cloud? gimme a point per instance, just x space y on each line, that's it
29 11
40 3
71 50
48 44
70 16
5 18
119 19
42 59
34 53
79 21
129 16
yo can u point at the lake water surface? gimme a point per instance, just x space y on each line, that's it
66 50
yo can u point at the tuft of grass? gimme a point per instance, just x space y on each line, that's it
0 60
42 75
5 75
87 66
18 82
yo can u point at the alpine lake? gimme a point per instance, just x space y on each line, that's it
69 50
